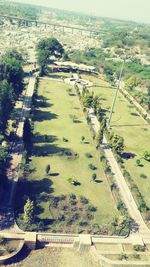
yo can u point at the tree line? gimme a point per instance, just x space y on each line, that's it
11 86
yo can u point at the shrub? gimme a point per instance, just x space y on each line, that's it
102 158
73 202
92 167
84 200
138 162
89 155
92 208
142 175
82 223
82 138
72 196
140 248
147 155
65 140
94 176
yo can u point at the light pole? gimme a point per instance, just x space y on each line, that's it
115 97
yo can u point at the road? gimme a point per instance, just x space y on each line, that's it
6 214
121 182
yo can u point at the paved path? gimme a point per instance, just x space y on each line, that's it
122 185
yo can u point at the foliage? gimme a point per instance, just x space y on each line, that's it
89 155
28 212
46 48
92 167
147 155
74 181
94 176
117 143
140 248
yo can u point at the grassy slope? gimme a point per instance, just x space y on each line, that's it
136 132
55 121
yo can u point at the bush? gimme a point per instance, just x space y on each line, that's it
89 155
82 223
94 176
65 140
140 248
102 158
142 175
72 196
92 167
84 200
92 208
73 202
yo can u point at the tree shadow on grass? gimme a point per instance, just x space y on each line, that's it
40 115
22 255
134 114
31 189
98 181
55 174
42 102
50 149
128 155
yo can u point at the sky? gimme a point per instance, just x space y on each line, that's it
137 10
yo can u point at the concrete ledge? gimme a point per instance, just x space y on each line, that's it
30 239
85 242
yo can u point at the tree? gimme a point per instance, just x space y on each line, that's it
96 104
47 48
47 169
94 177
117 143
138 162
28 212
147 155
27 133
6 103
132 82
100 136
83 138
12 71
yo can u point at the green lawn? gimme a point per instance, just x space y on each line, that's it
52 118
127 123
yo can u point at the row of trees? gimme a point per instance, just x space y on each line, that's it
11 85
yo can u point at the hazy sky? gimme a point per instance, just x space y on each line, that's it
138 10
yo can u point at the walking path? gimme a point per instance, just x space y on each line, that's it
122 185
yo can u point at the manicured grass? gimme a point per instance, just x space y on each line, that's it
136 132
52 118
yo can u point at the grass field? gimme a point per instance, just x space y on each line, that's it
136 132
52 118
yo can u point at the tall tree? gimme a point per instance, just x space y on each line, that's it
28 212
47 48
